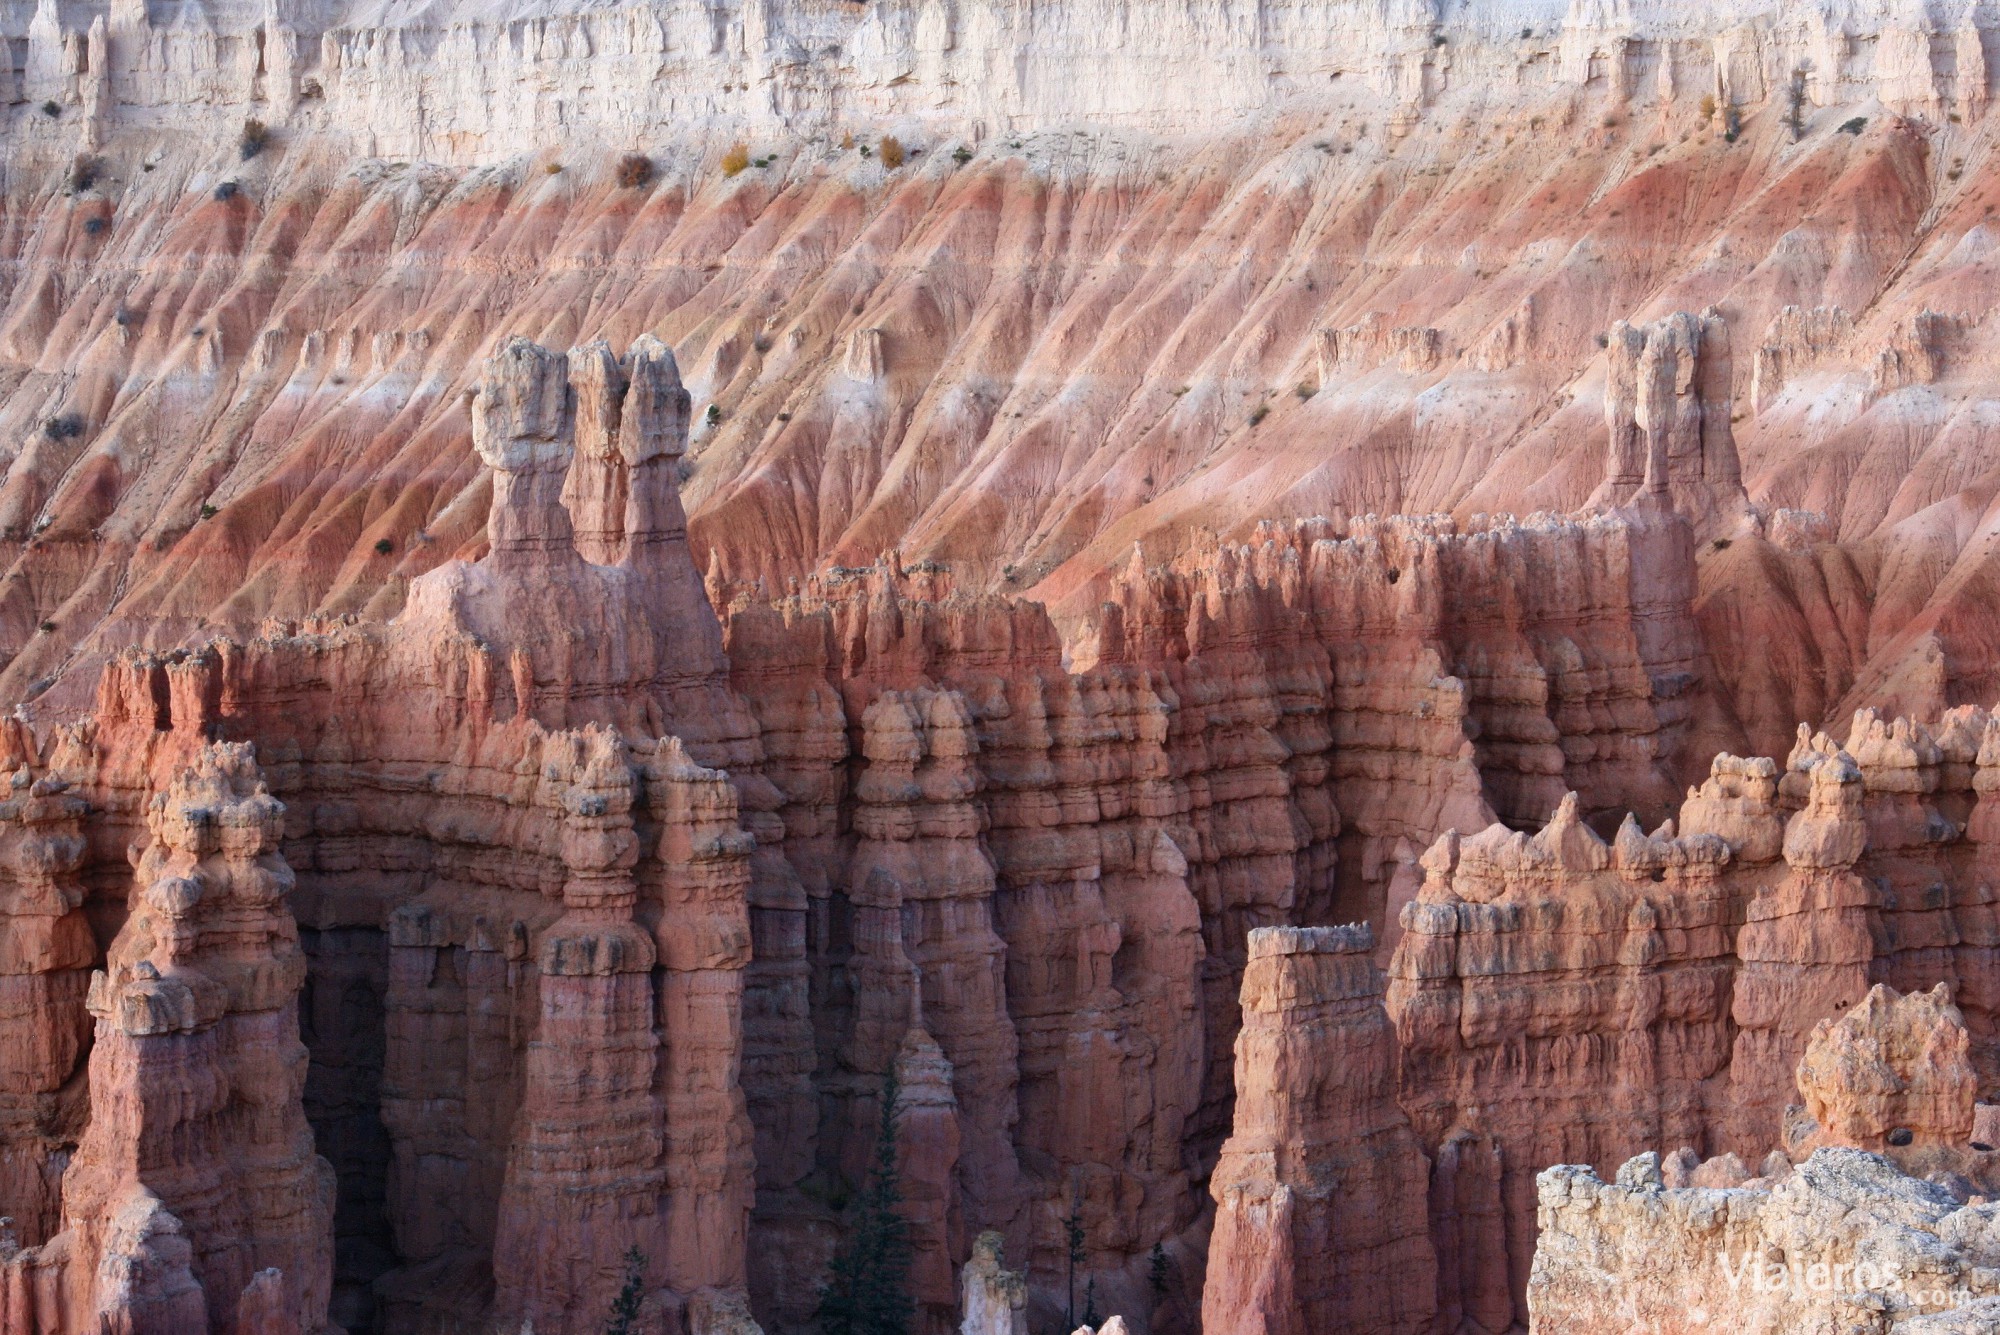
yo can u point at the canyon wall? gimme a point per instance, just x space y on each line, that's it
535 921
986 616
1885 1223
1082 313
1320 1192
1565 999
614 915
443 82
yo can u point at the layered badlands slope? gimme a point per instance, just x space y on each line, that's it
481 812
1091 332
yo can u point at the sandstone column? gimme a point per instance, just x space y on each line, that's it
703 938
1804 946
197 1172
46 951
594 493
1321 1216
586 1166
922 877
521 427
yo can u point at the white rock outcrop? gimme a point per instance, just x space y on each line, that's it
460 81
1845 1242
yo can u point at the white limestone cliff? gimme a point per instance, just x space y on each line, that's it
464 81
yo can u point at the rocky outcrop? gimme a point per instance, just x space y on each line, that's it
587 1157
1636 934
206 426
195 1186
1850 1238
48 956
1892 1070
1667 404
995 1298
1916 353
1320 1191
1700 968
928 965
785 68
1258 735
1794 344
612 934
1372 343
525 916
644 916
1804 945
1846 1241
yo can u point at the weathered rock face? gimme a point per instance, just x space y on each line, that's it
1667 404
1892 1070
639 991
226 391
195 1185
995 1298
526 940
623 69
1321 1221
1845 1242
49 950
1635 937
1665 988
1848 1240
1251 737
617 911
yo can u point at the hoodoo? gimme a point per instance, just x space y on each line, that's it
764 669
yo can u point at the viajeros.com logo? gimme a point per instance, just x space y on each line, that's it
1747 1271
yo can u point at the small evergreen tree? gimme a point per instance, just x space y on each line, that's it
1073 1234
1156 1272
1795 105
867 1290
625 1307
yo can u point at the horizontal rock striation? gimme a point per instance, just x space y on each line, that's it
612 933
1571 1000
615 936
618 910
1849 1239
231 380
434 82
1320 1192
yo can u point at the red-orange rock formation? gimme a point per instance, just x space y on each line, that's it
546 927
1667 401
1849 1240
195 1187
1890 1064
1321 1219
618 909
49 950
643 916
226 389
1664 988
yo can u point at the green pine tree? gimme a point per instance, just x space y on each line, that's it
625 1307
1074 1235
867 1290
